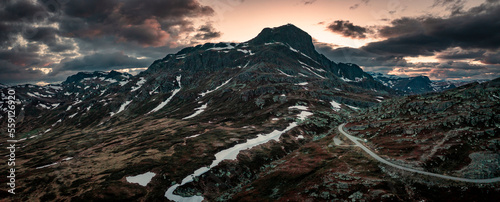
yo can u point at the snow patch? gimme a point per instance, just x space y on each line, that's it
199 110
44 106
303 114
228 47
308 68
246 51
56 87
142 179
246 65
303 75
217 88
164 103
297 51
346 79
352 107
58 121
278 43
283 73
122 83
40 167
193 136
72 115
122 107
335 105
299 107
319 70
48 165
139 84
154 90
111 80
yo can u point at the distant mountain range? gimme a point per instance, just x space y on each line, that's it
418 84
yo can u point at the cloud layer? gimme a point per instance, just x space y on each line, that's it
66 36
348 29
466 43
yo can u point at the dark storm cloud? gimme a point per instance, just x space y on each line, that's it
16 11
455 6
139 10
100 61
463 70
348 29
46 35
409 45
492 58
145 22
207 32
67 28
459 66
359 57
24 57
402 26
425 36
11 73
458 53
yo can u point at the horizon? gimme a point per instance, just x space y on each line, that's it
434 38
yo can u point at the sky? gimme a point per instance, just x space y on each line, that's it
45 41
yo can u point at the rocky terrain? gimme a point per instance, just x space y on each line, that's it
252 121
455 132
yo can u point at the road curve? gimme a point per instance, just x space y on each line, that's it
380 159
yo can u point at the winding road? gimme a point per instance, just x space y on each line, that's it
380 159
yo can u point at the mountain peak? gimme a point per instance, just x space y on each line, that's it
287 34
